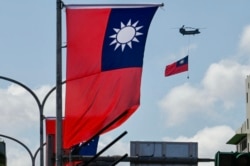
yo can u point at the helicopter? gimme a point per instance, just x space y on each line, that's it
189 30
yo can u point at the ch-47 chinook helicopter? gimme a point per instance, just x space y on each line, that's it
188 30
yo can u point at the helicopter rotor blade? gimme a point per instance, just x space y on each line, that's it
190 28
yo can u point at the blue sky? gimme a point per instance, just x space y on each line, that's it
206 108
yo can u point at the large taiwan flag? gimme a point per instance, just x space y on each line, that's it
105 49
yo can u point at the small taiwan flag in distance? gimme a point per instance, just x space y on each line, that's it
177 67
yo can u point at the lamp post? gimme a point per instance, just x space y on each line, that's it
33 157
59 6
40 107
59 83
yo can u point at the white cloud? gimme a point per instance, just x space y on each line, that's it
120 148
20 120
16 107
225 81
245 40
210 140
105 140
182 101
223 84
19 105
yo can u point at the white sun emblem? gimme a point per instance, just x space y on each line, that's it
126 35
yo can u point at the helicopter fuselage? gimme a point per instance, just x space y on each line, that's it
183 31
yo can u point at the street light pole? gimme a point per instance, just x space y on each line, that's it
33 157
41 117
58 94
58 83
41 108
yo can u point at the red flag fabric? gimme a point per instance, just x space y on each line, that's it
105 49
177 67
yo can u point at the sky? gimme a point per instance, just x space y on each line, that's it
207 108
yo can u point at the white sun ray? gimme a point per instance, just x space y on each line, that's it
125 35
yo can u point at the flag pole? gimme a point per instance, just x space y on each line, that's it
117 5
58 83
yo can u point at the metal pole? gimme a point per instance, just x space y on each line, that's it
25 147
104 149
119 5
142 159
40 106
41 136
58 83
